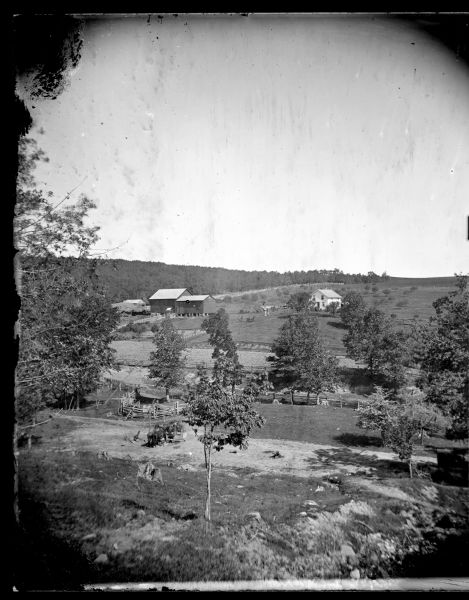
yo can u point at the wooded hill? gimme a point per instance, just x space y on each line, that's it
139 279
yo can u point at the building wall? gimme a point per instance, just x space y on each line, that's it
196 307
160 306
323 302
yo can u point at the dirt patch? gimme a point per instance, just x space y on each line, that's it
301 459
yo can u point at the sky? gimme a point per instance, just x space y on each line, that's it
260 143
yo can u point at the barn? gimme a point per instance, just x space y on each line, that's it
193 306
164 300
321 299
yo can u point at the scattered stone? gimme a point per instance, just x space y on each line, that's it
355 574
311 503
150 472
320 488
186 467
240 486
115 546
347 551
303 514
255 515
90 536
141 513
102 559
374 558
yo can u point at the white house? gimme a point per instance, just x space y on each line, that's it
321 299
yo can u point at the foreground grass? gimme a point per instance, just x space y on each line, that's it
76 507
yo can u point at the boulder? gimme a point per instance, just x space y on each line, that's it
102 559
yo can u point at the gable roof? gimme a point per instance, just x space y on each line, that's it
168 294
328 293
199 298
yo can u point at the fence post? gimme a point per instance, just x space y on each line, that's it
177 407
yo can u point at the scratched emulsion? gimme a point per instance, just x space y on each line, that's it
261 143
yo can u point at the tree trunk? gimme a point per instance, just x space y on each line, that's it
317 399
167 394
307 397
209 476
410 469
421 437
291 399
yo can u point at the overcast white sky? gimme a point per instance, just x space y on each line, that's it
267 143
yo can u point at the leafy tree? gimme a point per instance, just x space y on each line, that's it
299 301
66 322
444 357
353 308
332 308
399 419
373 340
167 361
301 359
224 348
225 418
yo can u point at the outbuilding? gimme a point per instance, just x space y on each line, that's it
164 300
194 306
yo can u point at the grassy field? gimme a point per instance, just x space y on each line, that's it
407 301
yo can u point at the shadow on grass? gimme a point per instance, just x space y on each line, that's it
358 440
337 324
382 468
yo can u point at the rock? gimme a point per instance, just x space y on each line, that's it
320 488
311 503
303 514
102 559
90 536
347 551
141 513
374 558
355 574
255 515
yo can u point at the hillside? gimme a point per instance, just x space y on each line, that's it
136 279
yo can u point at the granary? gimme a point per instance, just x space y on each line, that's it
193 306
164 300
321 299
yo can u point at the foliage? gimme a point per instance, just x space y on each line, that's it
399 419
226 364
373 340
300 356
167 362
66 321
299 301
353 308
444 354
225 418
332 307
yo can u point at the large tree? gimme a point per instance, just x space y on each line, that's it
167 360
299 301
301 359
66 322
445 357
225 353
353 308
373 340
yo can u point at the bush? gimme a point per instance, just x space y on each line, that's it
402 303
228 299
387 291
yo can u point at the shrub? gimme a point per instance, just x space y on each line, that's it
402 303
387 291
228 299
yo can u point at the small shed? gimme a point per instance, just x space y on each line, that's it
194 306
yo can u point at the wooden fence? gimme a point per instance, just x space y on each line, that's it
130 409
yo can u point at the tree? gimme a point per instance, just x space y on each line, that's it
332 308
167 362
301 359
299 301
373 340
400 419
353 308
66 322
444 357
225 353
225 418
